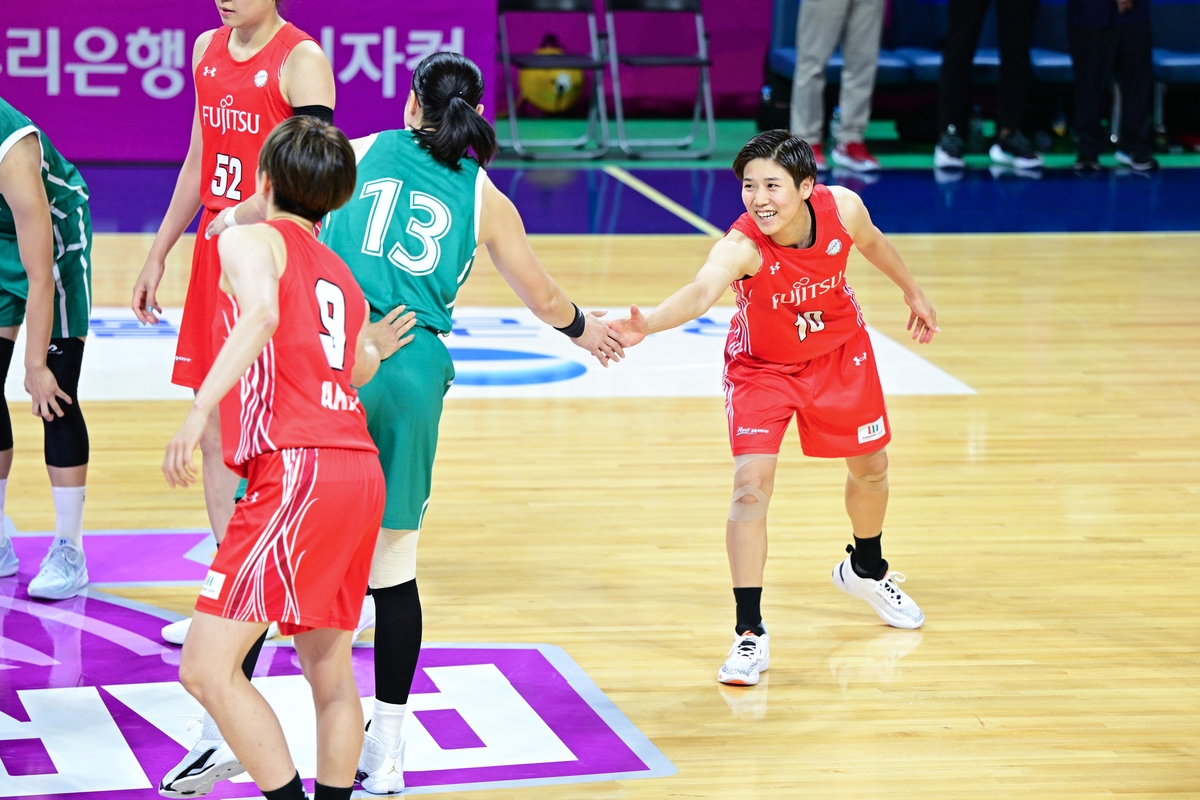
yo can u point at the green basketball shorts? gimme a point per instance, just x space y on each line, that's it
72 277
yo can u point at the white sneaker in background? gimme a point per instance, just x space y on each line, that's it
63 573
891 604
366 618
176 632
380 771
8 558
749 656
209 761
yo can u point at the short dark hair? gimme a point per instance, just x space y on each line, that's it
790 152
311 167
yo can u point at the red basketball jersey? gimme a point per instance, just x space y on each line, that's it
240 103
297 393
798 306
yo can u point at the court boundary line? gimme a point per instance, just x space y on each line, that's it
660 199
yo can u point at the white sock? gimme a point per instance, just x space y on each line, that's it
68 513
3 527
386 721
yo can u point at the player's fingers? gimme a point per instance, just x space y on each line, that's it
52 403
405 341
597 313
391 316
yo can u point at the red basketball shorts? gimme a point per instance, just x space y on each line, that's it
836 398
298 549
193 352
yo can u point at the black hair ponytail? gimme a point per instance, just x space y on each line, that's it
448 87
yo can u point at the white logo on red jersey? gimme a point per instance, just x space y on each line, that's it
227 118
775 268
750 431
211 587
333 398
858 360
805 289
260 78
210 72
834 248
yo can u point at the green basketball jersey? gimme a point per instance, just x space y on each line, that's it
410 229
64 185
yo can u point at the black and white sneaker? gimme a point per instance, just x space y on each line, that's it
208 762
1015 151
1138 162
949 151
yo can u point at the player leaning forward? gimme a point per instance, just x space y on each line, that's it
797 346
291 332
45 282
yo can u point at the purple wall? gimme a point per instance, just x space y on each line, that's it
739 32
111 81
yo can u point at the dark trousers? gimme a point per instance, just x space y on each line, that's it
1099 54
1014 28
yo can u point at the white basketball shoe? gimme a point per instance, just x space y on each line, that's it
8 557
209 761
891 604
380 771
749 656
63 573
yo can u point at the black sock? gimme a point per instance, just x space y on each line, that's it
251 659
867 558
397 640
292 790
749 615
324 792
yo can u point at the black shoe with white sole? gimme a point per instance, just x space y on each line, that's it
1015 151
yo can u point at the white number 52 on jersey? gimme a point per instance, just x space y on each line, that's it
331 303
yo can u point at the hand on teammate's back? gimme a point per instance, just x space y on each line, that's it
922 320
600 339
392 331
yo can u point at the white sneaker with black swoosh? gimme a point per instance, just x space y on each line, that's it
209 761
891 604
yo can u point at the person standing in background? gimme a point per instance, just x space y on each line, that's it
1014 20
821 25
1111 38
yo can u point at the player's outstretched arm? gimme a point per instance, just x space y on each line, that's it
501 229
185 202
250 259
732 258
882 254
23 190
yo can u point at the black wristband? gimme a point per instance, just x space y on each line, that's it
324 113
576 328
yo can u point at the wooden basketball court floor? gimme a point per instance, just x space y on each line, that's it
1047 526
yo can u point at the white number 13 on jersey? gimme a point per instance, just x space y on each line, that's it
430 232
331 303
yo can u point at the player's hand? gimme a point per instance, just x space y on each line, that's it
922 320
43 388
1124 5
600 340
392 332
178 465
218 226
633 329
145 290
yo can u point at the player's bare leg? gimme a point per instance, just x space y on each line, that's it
220 483
325 658
746 544
864 573
211 670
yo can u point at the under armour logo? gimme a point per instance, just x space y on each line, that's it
858 360
775 268
249 498
210 72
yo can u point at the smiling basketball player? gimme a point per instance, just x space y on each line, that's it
798 347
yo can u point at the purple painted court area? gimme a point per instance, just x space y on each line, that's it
125 557
64 666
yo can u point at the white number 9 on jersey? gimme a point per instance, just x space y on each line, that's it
331 303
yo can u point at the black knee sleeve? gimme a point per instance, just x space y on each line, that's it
66 437
6 353
397 640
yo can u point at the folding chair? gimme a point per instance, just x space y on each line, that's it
704 101
597 119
